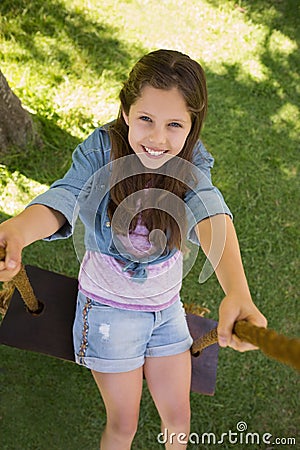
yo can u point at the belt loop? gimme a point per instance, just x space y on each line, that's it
157 317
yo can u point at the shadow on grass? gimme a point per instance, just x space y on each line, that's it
99 49
282 65
257 169
282 15
96 42
47 162
260 131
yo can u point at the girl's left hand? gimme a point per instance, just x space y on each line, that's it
232 309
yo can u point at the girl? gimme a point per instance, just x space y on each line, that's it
138 185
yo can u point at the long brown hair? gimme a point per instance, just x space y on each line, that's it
161 69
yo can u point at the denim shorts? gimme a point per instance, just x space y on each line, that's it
113 340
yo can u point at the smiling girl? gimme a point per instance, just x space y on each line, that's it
159 124
129 319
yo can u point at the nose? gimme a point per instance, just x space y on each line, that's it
158 136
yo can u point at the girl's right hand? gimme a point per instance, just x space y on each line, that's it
11 241
34 223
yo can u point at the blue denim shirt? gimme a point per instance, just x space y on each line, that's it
84 192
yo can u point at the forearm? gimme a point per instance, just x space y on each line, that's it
220 244
36 222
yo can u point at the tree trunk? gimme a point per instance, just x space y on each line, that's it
16 124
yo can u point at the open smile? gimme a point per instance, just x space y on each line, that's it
153 152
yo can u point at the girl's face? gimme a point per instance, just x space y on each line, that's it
159 123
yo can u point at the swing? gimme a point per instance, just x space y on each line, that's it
45 325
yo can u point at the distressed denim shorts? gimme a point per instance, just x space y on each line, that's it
112 340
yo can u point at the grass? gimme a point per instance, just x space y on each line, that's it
66 60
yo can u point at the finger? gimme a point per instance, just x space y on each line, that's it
2 260
241 346
6 276
13 257
259 320
224 333
226 323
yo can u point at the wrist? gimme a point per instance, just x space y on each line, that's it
13 231
38 222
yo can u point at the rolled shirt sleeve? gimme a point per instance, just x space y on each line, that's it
204 199
63 201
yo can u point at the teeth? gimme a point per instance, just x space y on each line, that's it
154 152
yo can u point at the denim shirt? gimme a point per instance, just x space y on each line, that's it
84 193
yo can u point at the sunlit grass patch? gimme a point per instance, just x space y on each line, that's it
287 117
16 191
81 55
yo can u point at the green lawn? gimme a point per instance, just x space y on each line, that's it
66 60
